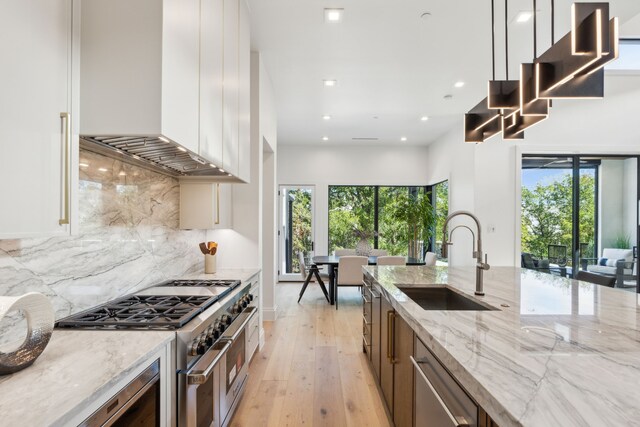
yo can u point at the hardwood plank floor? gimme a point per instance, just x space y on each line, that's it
312 371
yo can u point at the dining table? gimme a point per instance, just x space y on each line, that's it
331 261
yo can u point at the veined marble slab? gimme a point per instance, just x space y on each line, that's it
557 353
76 368
128 240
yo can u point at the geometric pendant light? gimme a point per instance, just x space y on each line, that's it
573 67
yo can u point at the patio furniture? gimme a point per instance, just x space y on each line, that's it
599 279
557 254
618 263
532 263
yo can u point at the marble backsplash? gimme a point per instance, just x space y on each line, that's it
128 239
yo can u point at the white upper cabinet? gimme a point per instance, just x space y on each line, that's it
38 136
140 69
244 107
230 89
211 74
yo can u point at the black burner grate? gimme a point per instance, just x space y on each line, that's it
141 312
202 283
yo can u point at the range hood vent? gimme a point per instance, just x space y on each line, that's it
152 152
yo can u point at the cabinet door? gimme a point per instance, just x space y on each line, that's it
35 188
205 205
244 94
375 330
386 341
230 89
402 374
181 72
211 51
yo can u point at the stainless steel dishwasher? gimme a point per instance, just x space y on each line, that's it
439 400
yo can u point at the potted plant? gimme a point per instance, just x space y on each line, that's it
416 212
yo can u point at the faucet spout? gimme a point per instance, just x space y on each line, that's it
481 264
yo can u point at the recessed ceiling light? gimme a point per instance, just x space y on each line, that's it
330 83
83 165
458 84
325 138
102 169
326 117
162 138
424 118
403 139
333 16
524 16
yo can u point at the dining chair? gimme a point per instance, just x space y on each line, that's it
343 252
391 260
596 278
430 259
349 272
379 252
309 276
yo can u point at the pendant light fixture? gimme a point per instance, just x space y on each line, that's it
571 68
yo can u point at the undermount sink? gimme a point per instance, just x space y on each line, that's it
440 297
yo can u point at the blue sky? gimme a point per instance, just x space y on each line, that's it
531 177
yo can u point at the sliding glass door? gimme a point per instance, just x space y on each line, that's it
581 213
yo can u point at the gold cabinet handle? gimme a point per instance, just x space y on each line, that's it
391 315
65 118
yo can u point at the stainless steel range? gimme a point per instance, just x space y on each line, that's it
210 321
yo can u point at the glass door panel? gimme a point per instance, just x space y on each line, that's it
295 229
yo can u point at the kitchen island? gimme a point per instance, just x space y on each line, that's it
555 352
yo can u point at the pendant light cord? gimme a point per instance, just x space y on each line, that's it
535 31
553 22
493 39
506 40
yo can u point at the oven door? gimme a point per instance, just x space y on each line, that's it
202 407
232 380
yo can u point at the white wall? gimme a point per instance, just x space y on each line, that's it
486 177
321 166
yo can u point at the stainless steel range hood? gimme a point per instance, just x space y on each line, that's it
156 153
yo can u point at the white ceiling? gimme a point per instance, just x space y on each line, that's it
390 63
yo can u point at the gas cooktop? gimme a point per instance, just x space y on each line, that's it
140 312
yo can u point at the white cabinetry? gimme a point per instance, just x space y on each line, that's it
38 134
205 205
230 89
211 73
244 95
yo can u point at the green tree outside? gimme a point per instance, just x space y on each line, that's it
547 211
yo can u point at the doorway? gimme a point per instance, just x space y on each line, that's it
296 229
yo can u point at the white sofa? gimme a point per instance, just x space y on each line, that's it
608 263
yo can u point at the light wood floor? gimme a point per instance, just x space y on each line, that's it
312 371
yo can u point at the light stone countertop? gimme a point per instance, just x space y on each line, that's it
77 367
563 353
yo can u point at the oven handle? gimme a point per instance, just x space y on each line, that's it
232 333
203 369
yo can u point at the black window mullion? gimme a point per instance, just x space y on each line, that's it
376 215
575 244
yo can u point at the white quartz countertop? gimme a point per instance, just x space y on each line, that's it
561 353
77 367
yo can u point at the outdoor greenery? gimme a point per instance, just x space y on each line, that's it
441 191
352 208
301 232
547 215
